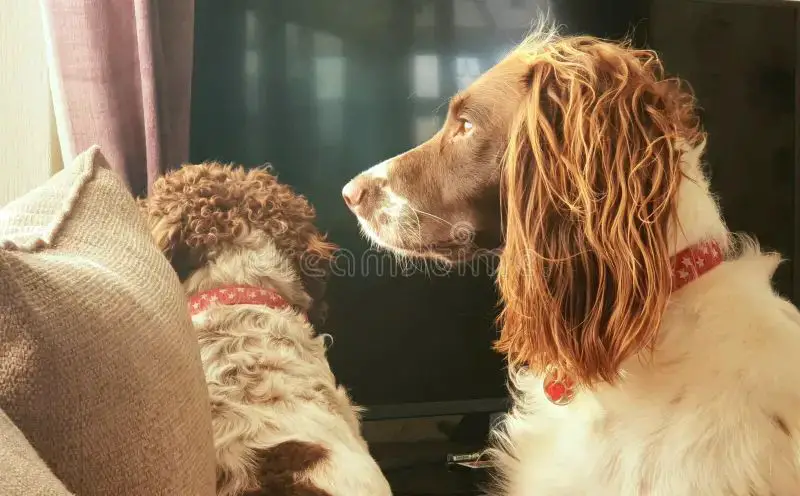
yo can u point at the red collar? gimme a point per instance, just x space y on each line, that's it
236 295
692 262
687 265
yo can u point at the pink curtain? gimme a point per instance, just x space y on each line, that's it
121 77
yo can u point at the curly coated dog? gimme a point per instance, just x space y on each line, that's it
253 265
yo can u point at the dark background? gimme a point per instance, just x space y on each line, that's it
741 59
323 89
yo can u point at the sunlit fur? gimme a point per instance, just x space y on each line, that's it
687 392
268 376
590 179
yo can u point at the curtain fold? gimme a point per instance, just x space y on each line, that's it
120 73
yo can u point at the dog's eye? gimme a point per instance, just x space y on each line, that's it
466 127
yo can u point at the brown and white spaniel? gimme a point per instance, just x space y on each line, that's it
649 354
253 265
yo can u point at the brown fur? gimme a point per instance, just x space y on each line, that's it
279 465
590 176
203 208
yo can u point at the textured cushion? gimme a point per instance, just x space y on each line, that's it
99 365
21 469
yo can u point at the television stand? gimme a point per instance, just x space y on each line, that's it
417 464
473 427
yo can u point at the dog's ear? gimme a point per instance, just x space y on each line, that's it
165 232
590 178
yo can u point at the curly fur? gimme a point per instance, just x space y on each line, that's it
282 426
201 209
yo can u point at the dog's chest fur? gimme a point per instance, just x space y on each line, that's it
713 412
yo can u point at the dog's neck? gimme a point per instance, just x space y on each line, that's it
698 221
698 214
253 262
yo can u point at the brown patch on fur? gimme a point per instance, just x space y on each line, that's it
590 177
281 469
781 425
198 209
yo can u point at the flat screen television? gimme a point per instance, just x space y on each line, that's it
322 89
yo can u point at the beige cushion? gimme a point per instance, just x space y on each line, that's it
99 365
21 469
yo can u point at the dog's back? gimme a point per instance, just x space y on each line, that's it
280 422
253 265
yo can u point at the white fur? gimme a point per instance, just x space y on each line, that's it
259 411
381 170
699 416
399 223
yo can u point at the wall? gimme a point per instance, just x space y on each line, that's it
28 144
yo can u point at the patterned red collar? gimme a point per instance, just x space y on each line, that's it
687 265
694 261
236 295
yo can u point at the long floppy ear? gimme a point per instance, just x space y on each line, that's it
165 233
590 178
166 228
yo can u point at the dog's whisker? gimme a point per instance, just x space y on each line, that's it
436 217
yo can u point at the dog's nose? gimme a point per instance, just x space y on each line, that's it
353 193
